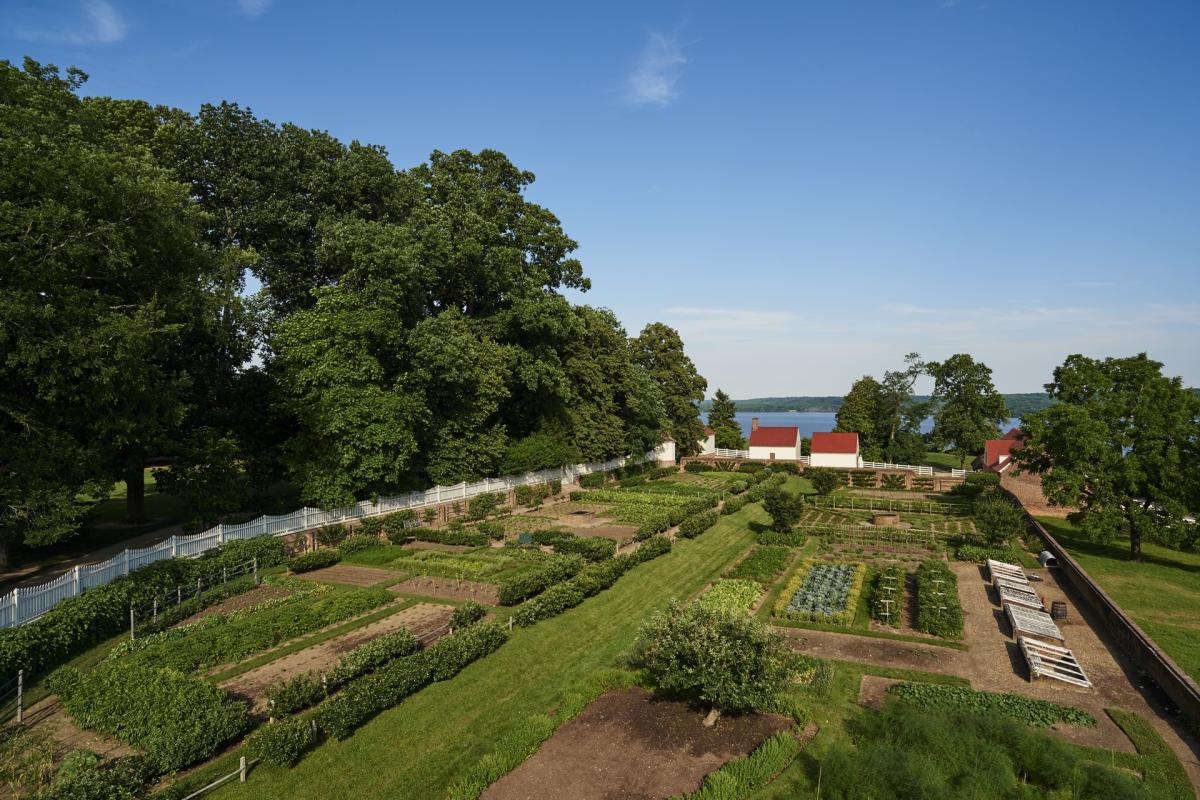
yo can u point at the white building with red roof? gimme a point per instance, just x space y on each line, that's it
837 450
708 445
774 443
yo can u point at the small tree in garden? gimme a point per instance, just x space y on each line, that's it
785 508
824 479
725 659
998 520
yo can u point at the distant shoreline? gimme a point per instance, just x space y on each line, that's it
1018 404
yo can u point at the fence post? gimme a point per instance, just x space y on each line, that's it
225 581
155 617
20 695
254 562
16 606
75 581
242 769
174 547
131 622
220 533
126 551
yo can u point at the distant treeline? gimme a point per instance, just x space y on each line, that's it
1018 404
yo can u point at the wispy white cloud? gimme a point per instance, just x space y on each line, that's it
100 24
656 72
254 8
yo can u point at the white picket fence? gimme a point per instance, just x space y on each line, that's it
27 603
918 469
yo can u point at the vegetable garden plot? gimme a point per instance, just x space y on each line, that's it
822 592
732 594
882 538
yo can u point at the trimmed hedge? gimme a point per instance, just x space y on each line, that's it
593 480
289 695
372 655
734 505
658 522
317 559
362 699
79 622
455 536
592 580
697 524
467 614
280 743
481 505
592 548
532 495
938 609
176 719
515 588
357 543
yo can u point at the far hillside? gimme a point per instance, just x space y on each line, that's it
1018 404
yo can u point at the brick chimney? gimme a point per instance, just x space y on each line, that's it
754 423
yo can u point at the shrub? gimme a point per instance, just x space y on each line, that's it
593 480
532 495
592 548
289 695
949 698
492 530
467 614
515 588
977 483
370 656
370 526
729 661
824 479
697 466
751 466
331 535
763 564
556 487
175 719
734 505
268 550
481 505
998 520
455 536
938 609
975 554
863 478
785 508
365 697
317 559
697 524
83 776
280 743
357 543
656 522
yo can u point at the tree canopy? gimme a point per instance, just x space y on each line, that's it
968 409
722 418
885 414
410 329
1122 446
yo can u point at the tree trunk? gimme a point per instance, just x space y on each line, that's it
1135 539
711 719
3 551
135 490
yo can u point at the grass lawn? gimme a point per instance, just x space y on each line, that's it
1161 594
943 460
417 748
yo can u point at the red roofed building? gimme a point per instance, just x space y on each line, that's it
774 443
837 450
997 453
708 445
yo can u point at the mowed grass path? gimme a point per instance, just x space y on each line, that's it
1161 593
416 749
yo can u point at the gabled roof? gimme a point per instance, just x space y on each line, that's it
1013 433
708 431
835 442
774 437
996 449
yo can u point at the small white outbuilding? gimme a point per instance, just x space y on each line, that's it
837 450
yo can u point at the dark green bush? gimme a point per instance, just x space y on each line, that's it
317 559
654 523
532 495
332 535
763 564
269 550
289 695
998 519
370 526
492 530
593 480
515 588
357 543
365 697
825 479
280 743
84 776
697 466
556 487
176 719
481 505
789 539
467 614
734 505
592 548
370 656
697 524
458 536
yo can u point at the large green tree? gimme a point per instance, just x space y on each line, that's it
968 409
659 350
862 412
110 302
1122 445
885 415
722 418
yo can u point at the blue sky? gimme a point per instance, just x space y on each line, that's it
807 190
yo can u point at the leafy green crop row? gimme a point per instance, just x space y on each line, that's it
938 609
948 698
892 611
732 594
763 564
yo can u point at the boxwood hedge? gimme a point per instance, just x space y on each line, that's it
522 585
282 742
317 559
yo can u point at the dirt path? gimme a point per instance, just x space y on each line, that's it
49 715
1028 489
422 620
994 663
627 744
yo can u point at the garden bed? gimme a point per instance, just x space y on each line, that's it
629 744
349 575
450 588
